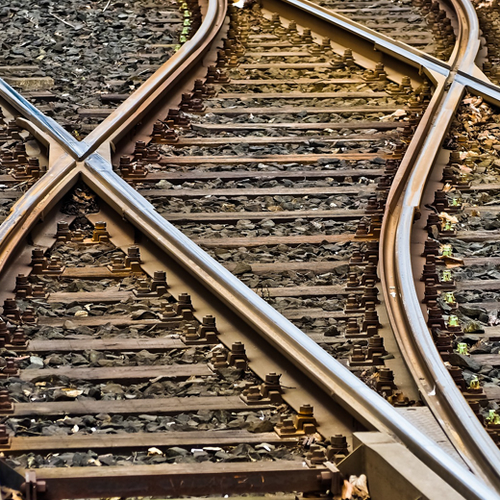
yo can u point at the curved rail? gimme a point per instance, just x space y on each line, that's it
328 373
189 54
47 124
436 385
397 49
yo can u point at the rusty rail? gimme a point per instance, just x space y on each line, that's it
329 374
436 385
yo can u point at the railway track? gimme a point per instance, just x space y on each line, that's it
137 360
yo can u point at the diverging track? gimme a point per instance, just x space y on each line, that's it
343 402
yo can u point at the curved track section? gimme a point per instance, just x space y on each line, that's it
437 387
347 390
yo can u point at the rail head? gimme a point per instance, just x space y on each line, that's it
423 359
339 382
329 374
381 42
45 123
190 54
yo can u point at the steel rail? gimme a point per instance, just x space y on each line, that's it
435 383
398 50
47 124
34 205
144 97
329 374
